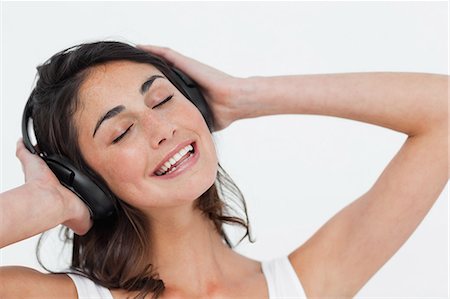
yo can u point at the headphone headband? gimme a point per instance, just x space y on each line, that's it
26 117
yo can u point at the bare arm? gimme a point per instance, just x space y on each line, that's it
39 204
26 211
21 282
351 247
410 103
36 206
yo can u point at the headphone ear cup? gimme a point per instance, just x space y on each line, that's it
190 89
99 203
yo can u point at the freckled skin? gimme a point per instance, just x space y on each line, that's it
126 166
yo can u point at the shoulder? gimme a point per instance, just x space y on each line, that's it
23 282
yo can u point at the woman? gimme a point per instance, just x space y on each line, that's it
175 220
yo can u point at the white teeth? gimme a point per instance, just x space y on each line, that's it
174 160
172 170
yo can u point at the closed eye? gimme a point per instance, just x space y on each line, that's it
164 101
128 129
122 135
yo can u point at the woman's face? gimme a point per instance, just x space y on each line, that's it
124 135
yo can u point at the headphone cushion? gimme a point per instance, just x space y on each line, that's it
99 203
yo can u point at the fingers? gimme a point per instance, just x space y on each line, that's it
201 73
154 49
165 52
19 148
31 164
22 154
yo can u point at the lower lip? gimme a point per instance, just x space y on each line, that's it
184 166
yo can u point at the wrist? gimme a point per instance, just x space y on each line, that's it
247 98
47 200
75 212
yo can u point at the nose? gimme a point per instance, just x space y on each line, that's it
159 129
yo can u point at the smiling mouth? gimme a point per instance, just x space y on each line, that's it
173 167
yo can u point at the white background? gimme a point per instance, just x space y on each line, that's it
295 171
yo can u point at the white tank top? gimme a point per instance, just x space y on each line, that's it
281 279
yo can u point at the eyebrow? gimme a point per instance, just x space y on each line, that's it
111 113
146 85
116 110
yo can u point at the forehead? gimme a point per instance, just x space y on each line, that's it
113 78
109 85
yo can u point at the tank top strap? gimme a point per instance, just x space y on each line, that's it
87 289
282 280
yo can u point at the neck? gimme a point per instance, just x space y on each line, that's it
187 251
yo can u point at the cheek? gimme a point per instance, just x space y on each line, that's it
193 116
198 123
121 170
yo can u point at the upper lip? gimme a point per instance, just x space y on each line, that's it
175 150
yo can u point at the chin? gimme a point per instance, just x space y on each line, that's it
197 188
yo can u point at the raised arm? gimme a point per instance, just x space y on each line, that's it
352 246
29 209
39 204
411 103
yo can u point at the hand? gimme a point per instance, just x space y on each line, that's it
38 174
224 93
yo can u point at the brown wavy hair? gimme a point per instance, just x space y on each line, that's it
113 253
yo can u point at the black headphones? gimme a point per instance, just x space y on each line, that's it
93 195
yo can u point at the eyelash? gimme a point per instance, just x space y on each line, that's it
122 135
128 129
165 100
